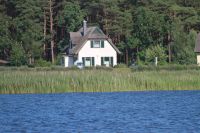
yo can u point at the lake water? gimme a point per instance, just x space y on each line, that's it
130 112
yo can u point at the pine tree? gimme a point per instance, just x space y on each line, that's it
5 35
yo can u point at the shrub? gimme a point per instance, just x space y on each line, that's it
42 63
58 59
104 68
121 65
156 51
31 65
171 67
17 57
74 68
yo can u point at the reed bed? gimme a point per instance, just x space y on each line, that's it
18 82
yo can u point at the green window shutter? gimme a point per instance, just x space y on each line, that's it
93 61
83 59
91 43
102 61
102 43
111 61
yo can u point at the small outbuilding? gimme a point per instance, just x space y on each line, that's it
197 49
3 62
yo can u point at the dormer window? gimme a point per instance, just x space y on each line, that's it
97 43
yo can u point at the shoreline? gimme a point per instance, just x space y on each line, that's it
134 91
117 80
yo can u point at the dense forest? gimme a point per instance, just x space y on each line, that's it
34 31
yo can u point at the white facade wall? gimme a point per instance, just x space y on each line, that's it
97 53
68 61
198 60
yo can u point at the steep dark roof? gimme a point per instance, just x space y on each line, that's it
197 47
92 33
75 37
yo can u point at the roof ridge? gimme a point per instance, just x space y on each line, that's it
91 31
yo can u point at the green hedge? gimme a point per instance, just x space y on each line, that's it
165 67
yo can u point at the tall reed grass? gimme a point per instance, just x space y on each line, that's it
15 82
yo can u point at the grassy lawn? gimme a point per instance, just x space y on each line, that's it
54 81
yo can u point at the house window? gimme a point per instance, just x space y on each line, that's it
97 43
107 61
88 61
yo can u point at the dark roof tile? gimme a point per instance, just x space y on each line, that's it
92 33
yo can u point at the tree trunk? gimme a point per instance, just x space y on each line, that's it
45 32
51 30
30 61
126 56
169 49
106 22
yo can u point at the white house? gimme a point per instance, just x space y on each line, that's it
197 49
91 47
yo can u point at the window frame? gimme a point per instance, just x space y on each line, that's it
91 59
107 58
97 44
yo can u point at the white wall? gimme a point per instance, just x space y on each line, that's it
68 61
198 60
107 51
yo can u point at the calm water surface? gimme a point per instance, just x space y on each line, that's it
131 112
